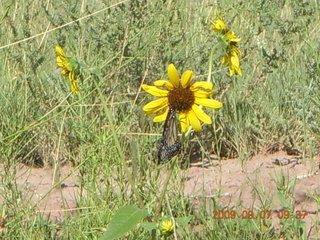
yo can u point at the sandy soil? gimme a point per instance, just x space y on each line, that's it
53 202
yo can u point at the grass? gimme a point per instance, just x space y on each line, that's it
103 130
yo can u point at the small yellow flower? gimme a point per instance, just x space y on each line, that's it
70 68
230 40
219 26
166 227
232 59
182 95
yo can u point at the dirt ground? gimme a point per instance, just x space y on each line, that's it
248 185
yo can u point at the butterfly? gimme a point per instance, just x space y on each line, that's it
170 144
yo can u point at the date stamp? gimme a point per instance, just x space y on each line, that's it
264 214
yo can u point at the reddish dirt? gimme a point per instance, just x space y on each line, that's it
250 185
244 186
54 202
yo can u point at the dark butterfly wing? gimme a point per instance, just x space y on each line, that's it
170 144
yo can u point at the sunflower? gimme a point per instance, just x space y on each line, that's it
232 59
166 227
70 68
183 96
230 40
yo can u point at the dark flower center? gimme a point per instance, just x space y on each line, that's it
181 99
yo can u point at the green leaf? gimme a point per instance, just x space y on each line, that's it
124 220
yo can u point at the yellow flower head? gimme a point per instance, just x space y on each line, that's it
166 227
219 26
70 68
231 37
182 95
230 40
232 59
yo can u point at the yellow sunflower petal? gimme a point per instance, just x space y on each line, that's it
235 60
65 72
60 51
232 37
231 70
161 116
201 114
184 122
60 61
73 81
194 121
210 103
202 84
74 87
186 78
155 91
155 105
173 75
218 25
239 71
166 83
225 59
235 63
202 94
231 67
235 50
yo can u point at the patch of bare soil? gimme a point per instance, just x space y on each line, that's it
249 185
38 187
